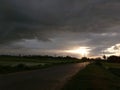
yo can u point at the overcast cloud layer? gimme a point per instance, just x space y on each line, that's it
54 25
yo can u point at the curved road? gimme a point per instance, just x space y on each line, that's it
52 78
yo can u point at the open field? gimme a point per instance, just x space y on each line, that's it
112 67
35 59
10 64
95 77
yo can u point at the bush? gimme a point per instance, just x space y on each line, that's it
5 69
20 67
98 63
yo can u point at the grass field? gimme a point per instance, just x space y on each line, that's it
113 68
95 77
36 60
10 64
111 65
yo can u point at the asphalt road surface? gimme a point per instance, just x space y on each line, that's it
52 78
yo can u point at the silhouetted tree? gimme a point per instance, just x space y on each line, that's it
113 58
104 57
84 58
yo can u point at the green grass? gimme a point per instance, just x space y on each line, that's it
35 60
112 67
94 77
10 64
4 69
16 63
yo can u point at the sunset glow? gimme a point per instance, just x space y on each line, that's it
83 51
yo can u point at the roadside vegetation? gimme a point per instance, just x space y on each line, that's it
112 67
9 64
96 76
4 69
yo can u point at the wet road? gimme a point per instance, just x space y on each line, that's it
52 78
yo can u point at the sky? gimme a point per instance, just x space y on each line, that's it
60 27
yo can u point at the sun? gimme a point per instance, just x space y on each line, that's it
83 51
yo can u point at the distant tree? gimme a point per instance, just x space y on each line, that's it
113 58
84 58
104 57
98 59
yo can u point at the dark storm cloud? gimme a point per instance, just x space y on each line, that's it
78 22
